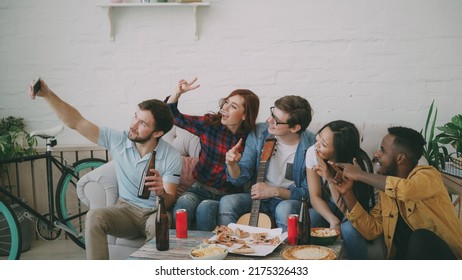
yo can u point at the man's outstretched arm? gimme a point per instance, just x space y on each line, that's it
66 113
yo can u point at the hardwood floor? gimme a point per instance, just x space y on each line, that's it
60 249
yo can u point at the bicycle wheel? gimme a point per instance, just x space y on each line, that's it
10 234
71 211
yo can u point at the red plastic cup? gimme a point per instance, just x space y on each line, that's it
181 223
292 231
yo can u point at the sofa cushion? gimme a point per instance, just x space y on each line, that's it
186 143
186 177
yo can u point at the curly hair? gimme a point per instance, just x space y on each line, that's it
408 141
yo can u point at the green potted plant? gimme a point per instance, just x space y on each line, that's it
15 141
452 134
432 150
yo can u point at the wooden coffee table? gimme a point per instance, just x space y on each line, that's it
179 249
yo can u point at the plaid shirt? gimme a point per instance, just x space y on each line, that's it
215 142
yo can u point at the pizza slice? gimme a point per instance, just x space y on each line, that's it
244 249
223 228
241 233
259 236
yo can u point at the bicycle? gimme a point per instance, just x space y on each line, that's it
70 211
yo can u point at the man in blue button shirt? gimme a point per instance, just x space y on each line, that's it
131 150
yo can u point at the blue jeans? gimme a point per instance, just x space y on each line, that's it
355 245
358 248
235 205
201 205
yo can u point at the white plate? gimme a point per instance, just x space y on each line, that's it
260 250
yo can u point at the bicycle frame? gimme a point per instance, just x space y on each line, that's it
50 159
66 212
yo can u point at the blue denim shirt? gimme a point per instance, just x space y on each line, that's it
251 159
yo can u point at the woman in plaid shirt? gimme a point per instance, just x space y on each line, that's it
218 132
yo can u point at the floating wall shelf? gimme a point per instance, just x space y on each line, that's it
111 6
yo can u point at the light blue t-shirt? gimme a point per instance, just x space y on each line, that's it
130 166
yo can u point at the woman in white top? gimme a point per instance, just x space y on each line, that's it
337 141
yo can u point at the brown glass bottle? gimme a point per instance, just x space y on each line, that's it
162 226
304 225
143 190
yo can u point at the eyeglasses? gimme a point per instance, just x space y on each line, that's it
276 120
142 122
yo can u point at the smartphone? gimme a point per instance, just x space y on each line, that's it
37 86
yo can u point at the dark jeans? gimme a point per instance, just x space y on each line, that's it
201 206
426 245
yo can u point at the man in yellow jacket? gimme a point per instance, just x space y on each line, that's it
414 214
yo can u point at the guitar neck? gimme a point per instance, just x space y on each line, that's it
261 171
255 211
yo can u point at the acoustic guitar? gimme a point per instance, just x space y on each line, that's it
255 218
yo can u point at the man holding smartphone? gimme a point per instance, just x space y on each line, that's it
37 86
132 216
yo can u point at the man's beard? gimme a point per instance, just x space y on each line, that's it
391 170
140 140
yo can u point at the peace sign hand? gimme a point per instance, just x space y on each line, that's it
233 155
185 86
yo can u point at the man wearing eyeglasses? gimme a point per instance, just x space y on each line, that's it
284 184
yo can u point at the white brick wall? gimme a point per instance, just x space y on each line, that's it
359 60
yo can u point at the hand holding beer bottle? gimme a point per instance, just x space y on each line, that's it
143 189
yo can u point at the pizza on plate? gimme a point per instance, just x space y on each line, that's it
242 233
222 228
309 252
244 249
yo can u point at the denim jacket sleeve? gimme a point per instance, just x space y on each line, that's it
249 160
299 188
297 191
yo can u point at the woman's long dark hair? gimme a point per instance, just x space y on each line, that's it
346 148
251 108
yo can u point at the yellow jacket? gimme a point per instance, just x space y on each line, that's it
423 202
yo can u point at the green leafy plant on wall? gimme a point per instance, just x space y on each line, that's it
452 134
433 152
15 141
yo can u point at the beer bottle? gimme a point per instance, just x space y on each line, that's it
162 226
143 190
304 224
